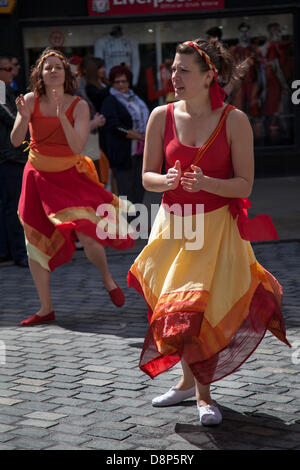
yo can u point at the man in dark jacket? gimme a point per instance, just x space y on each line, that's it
12 161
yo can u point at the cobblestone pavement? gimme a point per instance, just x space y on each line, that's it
75 384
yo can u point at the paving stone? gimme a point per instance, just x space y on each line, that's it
7 447
63 438
5 428
36 422
31 432
146 421
72 410
23 443
64 446
7 393
109 433
272 397
95 368
109 444
96 383
29 388
46 416
67 372
34 382
9 401
93 397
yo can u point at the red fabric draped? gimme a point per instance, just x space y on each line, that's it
217 95
259 228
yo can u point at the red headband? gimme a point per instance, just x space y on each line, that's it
50 54
217 94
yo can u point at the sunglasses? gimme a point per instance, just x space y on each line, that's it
6 69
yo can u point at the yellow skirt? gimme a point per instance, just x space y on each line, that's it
209 305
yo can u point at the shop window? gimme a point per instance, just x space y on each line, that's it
264 94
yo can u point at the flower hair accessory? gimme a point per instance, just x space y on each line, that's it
217 94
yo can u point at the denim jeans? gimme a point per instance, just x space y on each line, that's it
12 241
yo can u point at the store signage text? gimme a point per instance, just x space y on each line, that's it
135 7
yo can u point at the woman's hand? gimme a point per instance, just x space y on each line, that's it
132 134
99 120
193 182
173 176
23 107
59 104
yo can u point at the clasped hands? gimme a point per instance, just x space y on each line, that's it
191 182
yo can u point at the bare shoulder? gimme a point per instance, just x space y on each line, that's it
238 125
81 107
236 117
159 113
157 119
30 99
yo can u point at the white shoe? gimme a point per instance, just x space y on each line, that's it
173 396
209 415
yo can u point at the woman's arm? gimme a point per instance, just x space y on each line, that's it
25 106
240 137
132 134
97 121
76 136
153 180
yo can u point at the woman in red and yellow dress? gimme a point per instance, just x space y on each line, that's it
209 304
61 191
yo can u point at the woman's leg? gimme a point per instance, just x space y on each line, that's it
41 278
188 380
95 253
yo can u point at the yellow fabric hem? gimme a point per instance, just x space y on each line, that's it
35 254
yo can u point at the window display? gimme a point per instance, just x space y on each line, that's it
148 49
115 48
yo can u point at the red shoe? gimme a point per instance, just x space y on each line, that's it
117 296
36 319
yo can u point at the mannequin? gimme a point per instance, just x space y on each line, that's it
246 97
115 49
276 96
214 33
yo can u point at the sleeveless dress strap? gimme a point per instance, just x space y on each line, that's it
168 123
36 108
72 105
214 135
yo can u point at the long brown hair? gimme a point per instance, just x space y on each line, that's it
36 80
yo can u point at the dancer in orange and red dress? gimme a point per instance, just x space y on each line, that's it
210 305
61 191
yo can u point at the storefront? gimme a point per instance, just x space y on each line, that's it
145 34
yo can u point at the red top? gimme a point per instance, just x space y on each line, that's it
46 133
214 160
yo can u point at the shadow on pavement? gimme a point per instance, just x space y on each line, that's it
240 431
